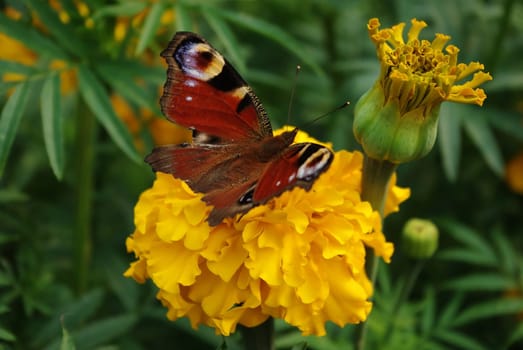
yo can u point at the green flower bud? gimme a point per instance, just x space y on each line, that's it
386 134
420 238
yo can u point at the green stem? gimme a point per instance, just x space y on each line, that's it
260 337
84 161
375 183
404 295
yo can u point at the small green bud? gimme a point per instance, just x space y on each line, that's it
420 238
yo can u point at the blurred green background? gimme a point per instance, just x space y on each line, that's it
80 88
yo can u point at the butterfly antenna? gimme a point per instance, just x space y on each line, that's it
345 104
291 100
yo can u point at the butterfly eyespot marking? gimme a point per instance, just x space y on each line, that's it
206 55
199 60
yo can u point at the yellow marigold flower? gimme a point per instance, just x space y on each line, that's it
82 8
120 28
62 14
514 173
68 78
14 50
396 120
12 13
300 257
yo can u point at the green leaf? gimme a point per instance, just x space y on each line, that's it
227 38
300 346
272 32
6 335
505 80
507 255
30 37
465 255
15 67
52 122
459 340
481 282
126 290
489 309
64 34
449 136
73 315
516 335
98 101
130 70
183 19
470 239
123 9
150 27
104 330
67 342
447 316
482 136
120 77
10 120
429 310
509 123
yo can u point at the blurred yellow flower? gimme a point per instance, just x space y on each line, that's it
396 120
125 23
300 257
162 131
16 51
514 173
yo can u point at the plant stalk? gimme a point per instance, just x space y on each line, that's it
84 164
404 295
260 337
375 183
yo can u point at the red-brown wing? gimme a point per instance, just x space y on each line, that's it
205 93
298 166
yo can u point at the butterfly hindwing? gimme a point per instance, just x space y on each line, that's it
297 166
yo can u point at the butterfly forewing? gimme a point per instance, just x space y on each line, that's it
204 92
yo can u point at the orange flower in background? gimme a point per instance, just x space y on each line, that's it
162 131
16 51
300 257
125 23
514 173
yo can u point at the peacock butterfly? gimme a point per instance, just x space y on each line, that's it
234 158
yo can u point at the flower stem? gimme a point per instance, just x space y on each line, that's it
84 160
404 295
375 183
260 337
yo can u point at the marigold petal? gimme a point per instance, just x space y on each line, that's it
300 257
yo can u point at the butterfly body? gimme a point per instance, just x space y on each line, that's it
234 158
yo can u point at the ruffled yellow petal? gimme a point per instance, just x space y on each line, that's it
423 67
300 257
